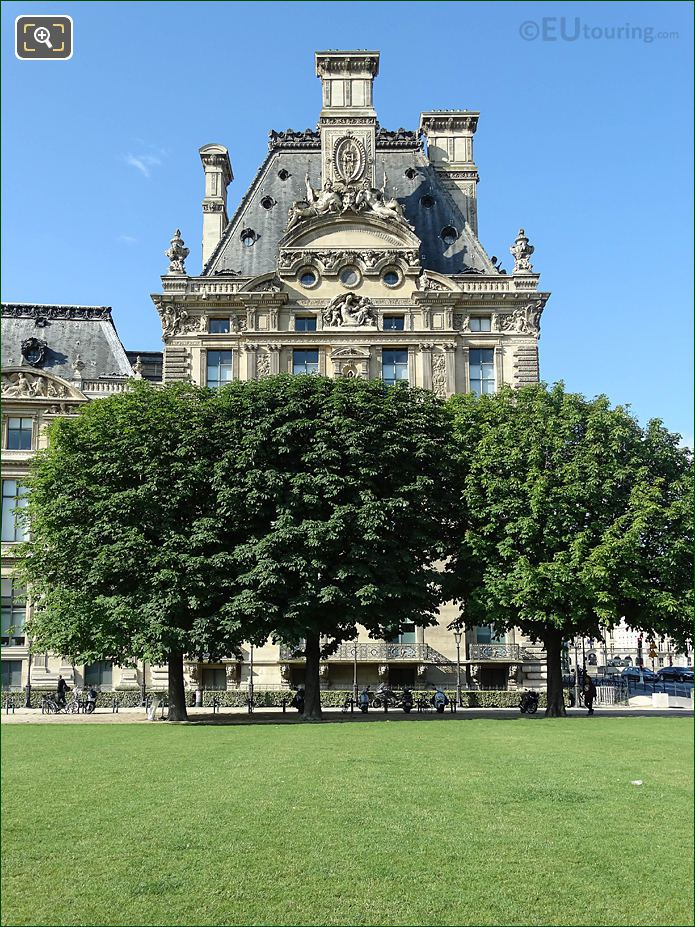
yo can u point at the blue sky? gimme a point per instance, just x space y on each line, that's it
586 142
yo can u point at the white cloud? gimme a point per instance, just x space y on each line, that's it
142 162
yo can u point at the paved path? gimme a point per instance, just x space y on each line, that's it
275 715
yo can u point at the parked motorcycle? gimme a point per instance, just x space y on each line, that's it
528 703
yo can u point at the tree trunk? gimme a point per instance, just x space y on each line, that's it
177 693
553 649
312 683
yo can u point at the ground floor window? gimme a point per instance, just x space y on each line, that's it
214 678
11 674
99 673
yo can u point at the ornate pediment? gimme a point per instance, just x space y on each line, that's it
20 383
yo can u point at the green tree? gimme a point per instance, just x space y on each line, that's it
572 516
126 559
343 482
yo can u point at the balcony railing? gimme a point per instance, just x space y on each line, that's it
505 653
370 652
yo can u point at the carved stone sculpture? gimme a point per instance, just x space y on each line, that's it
524 320
439 375
177 254
25 386
34 351
349 309
521 251
316 203
176 320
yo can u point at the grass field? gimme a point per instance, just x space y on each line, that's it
460 822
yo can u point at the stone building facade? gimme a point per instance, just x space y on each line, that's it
354 252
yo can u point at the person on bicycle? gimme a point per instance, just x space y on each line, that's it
62 689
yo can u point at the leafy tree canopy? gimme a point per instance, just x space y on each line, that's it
571 517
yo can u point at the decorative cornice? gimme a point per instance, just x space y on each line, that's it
290 139
449 120
42 311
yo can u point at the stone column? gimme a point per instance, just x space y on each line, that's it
450 367
251 360
426 357
274 350
466 369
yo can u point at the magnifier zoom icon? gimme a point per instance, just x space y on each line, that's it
43 36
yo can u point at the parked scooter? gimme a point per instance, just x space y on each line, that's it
364 700
528 703
407 701
440 701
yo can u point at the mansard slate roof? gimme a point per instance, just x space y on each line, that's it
67 331
299 153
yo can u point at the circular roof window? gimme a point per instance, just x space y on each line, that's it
449 235
391 278
267 202
427 201
283 174
349 276
307 278
411 173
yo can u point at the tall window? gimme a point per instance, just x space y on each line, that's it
305 323
14 602
407 635
305 361
486 635
99 673
394 366
482 371
219 368
218 326
11 674
14 496
19 432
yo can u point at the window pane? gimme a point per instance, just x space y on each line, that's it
13 497
11 674
305 361
394 323
19 433
219 368
218 326
13 613
305 323
98 674
482 371
394 365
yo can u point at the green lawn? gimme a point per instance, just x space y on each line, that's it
456 822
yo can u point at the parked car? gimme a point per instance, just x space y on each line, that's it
633 673
675 674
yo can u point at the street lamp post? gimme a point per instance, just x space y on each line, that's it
250 689
457 637
143 686
27 688
576 675
355 692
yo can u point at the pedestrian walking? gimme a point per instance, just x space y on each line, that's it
589 694
62 688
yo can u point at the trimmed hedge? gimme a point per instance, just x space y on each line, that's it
236 698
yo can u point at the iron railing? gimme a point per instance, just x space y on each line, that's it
502 652
371 652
